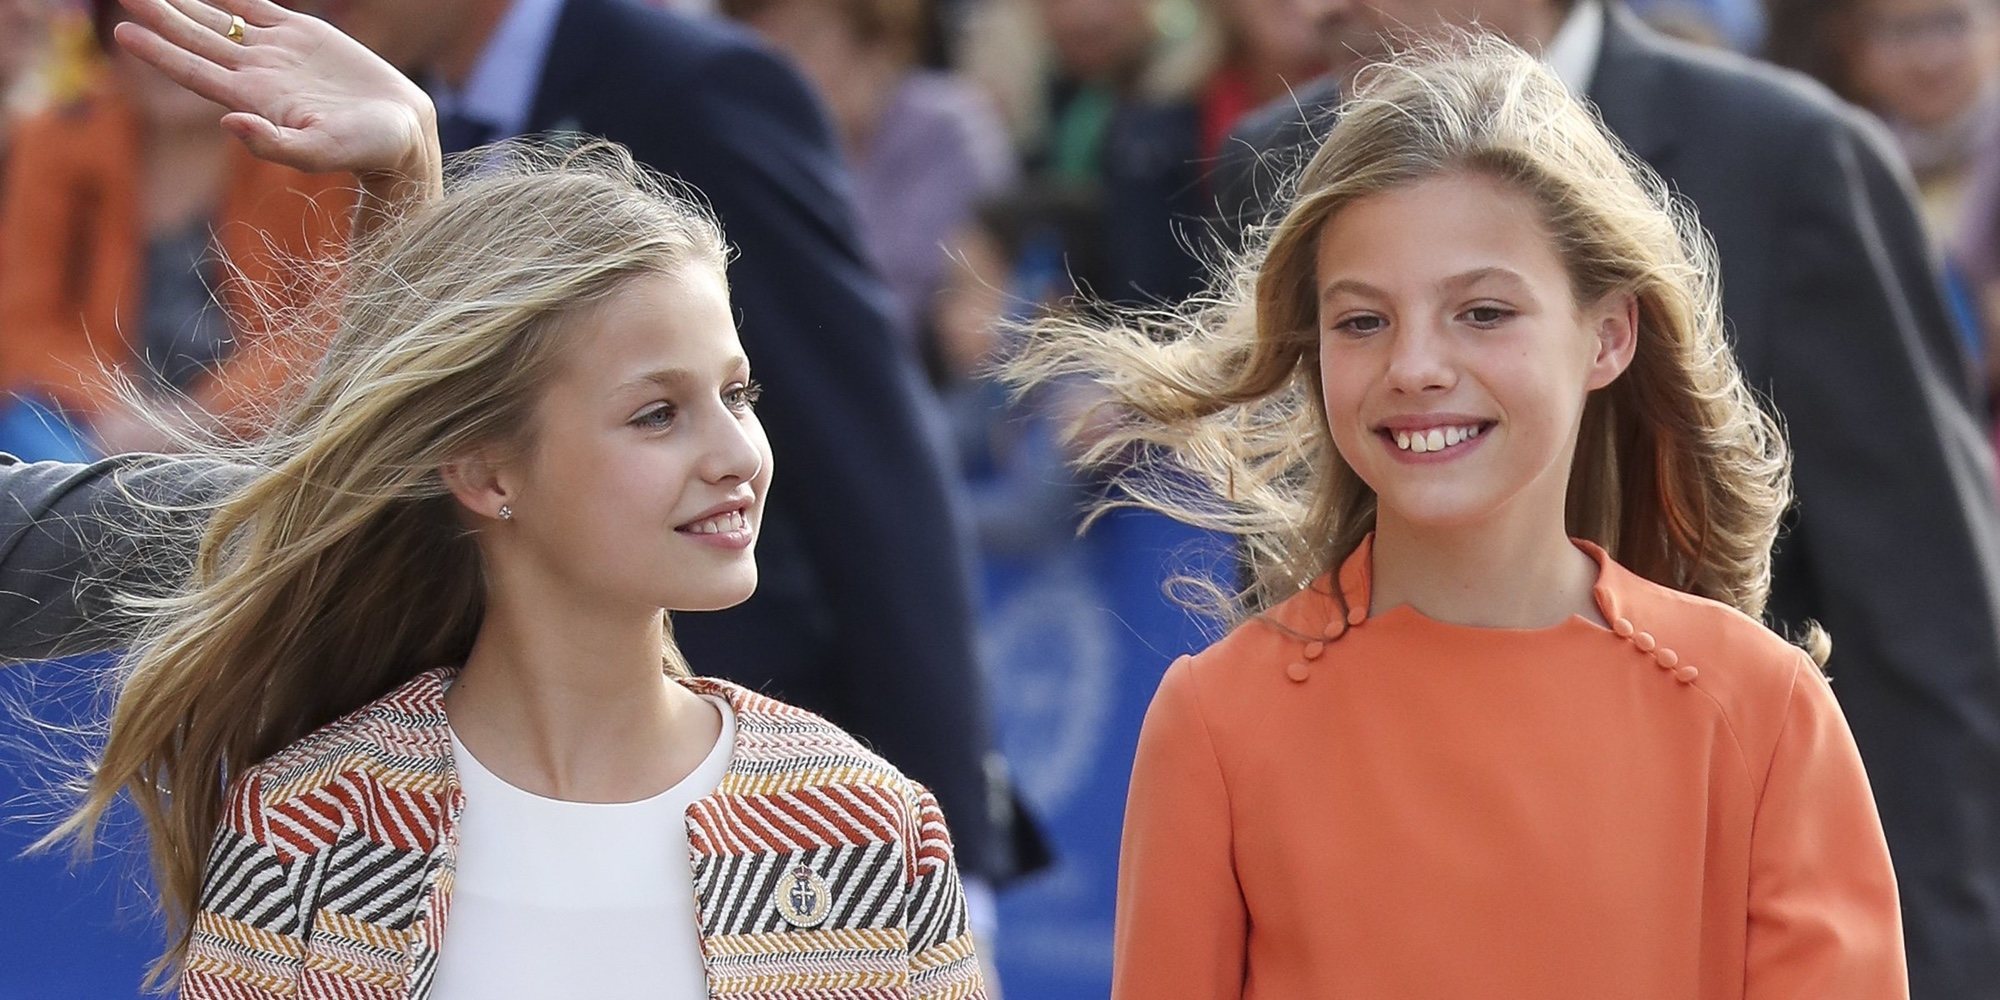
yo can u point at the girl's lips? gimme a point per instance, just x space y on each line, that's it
734 540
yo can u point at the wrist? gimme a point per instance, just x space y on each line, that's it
420 160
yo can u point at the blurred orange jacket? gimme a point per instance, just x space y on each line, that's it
73 242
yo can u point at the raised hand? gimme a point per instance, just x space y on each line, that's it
299 92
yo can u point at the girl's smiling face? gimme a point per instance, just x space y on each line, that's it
644 485
1454 357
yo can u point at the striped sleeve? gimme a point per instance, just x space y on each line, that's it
248 939
942 964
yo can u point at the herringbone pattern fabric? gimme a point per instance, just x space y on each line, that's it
331 876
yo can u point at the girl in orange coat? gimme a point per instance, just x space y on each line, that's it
1501 721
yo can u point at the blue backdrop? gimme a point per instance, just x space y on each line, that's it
1077 643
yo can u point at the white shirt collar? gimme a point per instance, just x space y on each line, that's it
501 89
1574 52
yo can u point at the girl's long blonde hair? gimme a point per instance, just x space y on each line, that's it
342 567
1215 413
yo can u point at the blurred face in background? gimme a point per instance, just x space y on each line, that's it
22 35
1925 62
1098 39
1276 32
1354 33
851 57
163 105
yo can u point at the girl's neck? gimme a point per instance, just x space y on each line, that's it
573 705
1525 576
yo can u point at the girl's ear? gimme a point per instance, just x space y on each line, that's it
477 483
1615 323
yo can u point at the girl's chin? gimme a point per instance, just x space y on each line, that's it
718 598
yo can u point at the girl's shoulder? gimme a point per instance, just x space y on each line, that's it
782 748
1746 669
400 740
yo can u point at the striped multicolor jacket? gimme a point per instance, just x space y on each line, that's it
819 870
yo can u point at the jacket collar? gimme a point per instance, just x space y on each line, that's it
766 731
1628 88
418 705
1617 590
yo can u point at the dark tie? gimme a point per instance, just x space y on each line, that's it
458 132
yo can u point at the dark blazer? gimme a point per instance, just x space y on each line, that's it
1831 290
863 612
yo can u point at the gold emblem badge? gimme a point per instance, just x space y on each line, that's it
803 899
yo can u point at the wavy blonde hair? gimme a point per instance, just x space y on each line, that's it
1215 414
342 567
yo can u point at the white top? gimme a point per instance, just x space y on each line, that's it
1574 52
559 899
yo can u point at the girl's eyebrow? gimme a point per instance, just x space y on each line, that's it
1453 283
1479 274
678 378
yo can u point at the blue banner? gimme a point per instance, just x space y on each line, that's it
1076 642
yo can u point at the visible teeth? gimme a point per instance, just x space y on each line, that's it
731 521
1435 439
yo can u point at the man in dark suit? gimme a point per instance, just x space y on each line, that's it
1831 293
863 611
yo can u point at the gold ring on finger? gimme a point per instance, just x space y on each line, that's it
235 32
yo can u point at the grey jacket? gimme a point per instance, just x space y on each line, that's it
73 538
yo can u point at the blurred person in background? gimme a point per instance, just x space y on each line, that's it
1928 69
141 240
23 40
924 146
1026 497
1268 49
1840 320
1120 98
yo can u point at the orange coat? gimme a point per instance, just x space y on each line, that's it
1393 807
74 246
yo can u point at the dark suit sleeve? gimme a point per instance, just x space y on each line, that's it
856 434
1258 163
73 538
1896 528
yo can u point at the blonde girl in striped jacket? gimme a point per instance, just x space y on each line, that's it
414 725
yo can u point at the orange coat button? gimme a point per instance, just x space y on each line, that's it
1313 649
1298 672
1623 627
1686 675
1356 616
1667 657
1644 640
